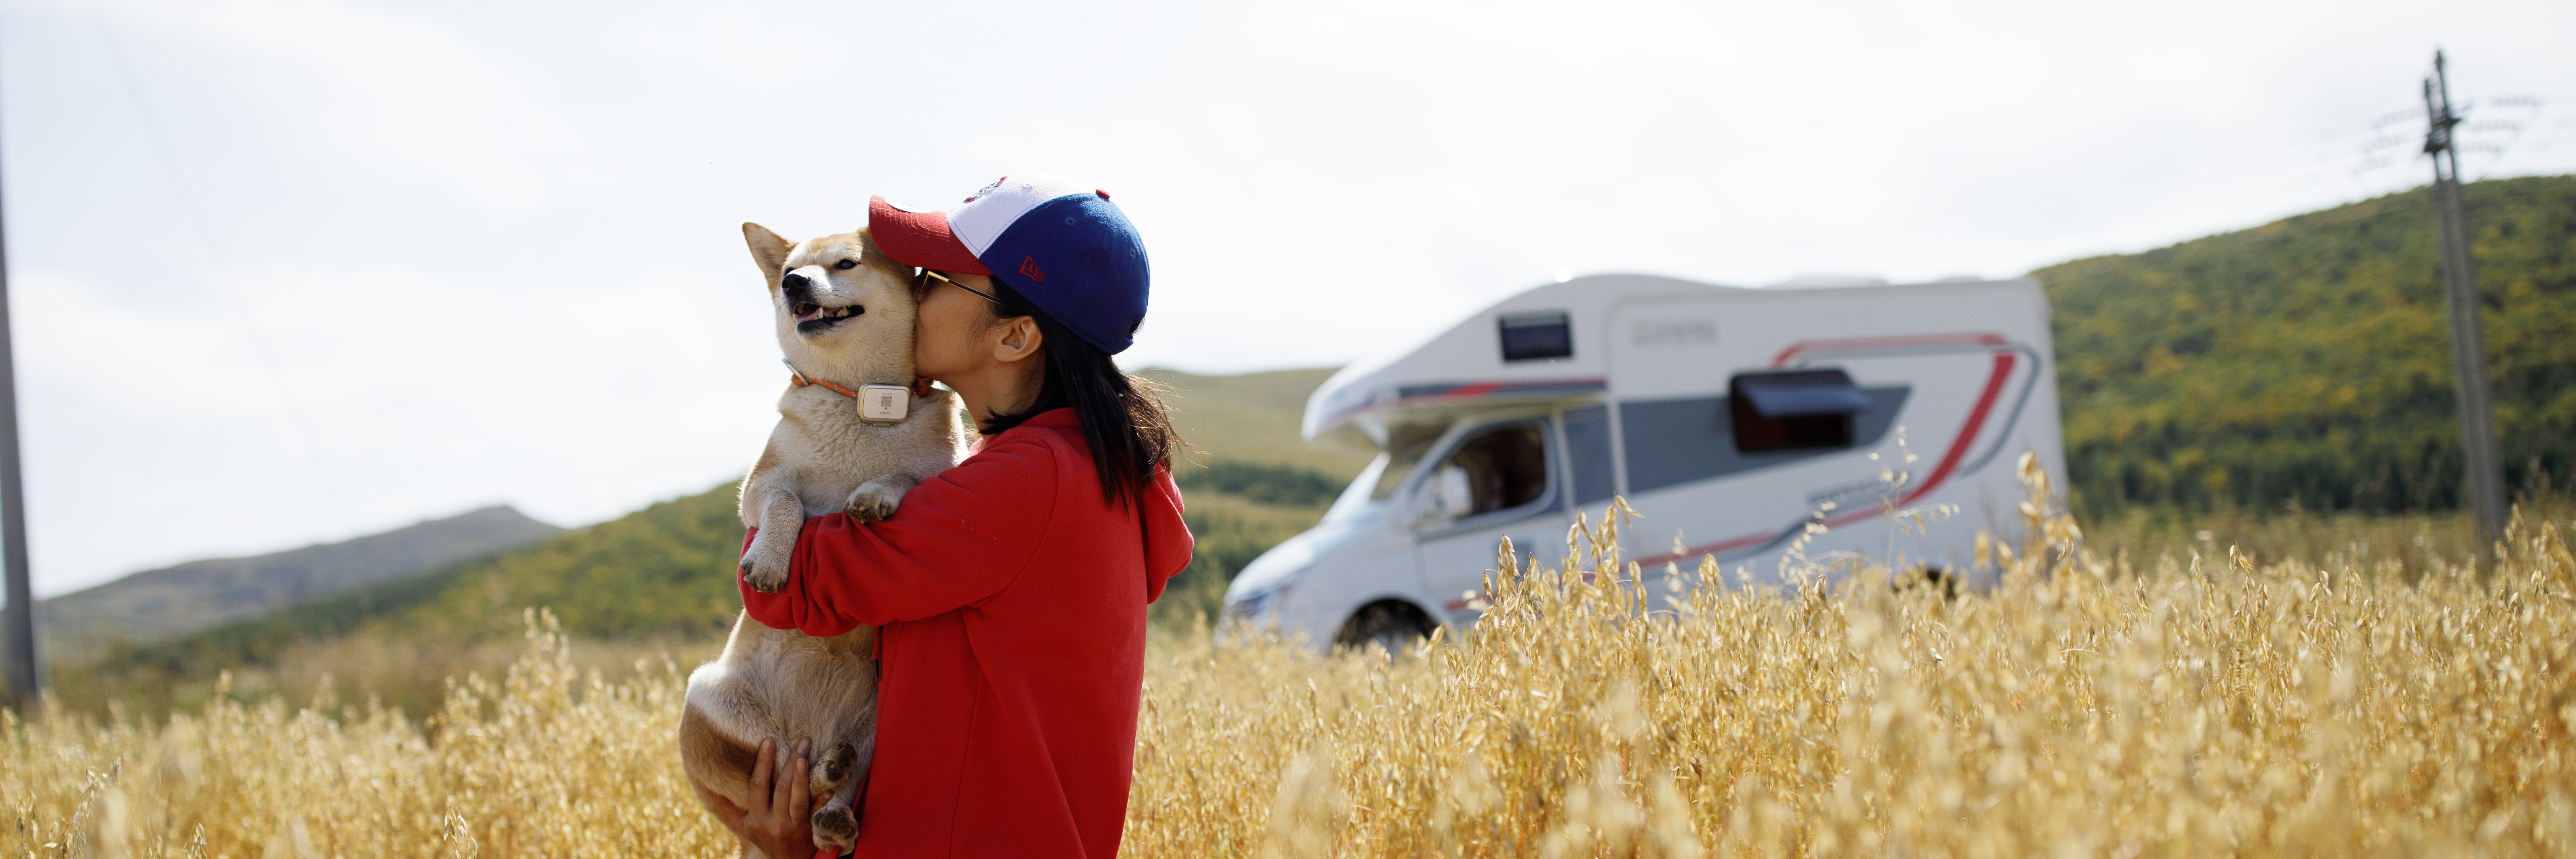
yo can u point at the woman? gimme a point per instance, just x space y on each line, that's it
1011 589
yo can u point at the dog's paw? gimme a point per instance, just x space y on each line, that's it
763 573
875 500
833 766
835 827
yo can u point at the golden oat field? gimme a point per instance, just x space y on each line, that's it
2195 704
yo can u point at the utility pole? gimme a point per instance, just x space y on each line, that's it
26 673
2468 336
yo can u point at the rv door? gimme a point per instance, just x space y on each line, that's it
1495 481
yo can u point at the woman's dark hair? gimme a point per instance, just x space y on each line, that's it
1122 416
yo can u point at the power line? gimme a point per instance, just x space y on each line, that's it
220 268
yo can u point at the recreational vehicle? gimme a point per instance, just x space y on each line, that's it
1730 419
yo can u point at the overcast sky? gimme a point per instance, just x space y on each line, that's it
285 272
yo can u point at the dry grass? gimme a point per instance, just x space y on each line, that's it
2415 542
549 761
405 673
2199 706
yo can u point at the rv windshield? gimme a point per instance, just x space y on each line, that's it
1386 474
1404 450
1355 499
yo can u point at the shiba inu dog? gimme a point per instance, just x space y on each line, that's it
855 431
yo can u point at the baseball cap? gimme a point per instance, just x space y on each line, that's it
1064 247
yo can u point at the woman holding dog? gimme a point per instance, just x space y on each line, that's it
1010 590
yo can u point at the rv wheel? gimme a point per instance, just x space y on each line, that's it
1933 578
1390 624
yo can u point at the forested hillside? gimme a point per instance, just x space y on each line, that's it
2310 358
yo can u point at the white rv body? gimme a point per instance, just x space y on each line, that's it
1651 388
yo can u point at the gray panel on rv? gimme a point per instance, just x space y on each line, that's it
1587 444
1672 442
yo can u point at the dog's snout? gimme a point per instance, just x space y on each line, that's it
794 282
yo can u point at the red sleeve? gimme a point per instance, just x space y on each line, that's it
958 538
1167 539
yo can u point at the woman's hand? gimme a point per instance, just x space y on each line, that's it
779 820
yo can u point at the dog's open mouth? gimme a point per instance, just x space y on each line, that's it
815 317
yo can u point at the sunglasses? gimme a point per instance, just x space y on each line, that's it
928 276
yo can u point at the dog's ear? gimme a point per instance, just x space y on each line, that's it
767 249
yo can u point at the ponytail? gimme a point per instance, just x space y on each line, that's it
1122 416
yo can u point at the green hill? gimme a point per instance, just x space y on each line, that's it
661 573
655 572
1254 417
2310 358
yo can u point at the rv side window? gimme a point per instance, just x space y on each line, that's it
1587 446
1503 468
1794 409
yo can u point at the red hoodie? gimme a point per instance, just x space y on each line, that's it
1012 600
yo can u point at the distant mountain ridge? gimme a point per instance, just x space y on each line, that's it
159 604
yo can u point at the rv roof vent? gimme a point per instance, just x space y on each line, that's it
1536 336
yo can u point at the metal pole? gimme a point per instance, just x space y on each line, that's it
26 672
2468 332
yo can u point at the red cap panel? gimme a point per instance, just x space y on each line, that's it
920 239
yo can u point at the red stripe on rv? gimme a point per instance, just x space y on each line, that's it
1986 339
1471 389
1940 473
1968 433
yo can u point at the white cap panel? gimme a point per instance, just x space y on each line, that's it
982 218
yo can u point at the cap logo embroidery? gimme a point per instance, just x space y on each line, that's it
1029 267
